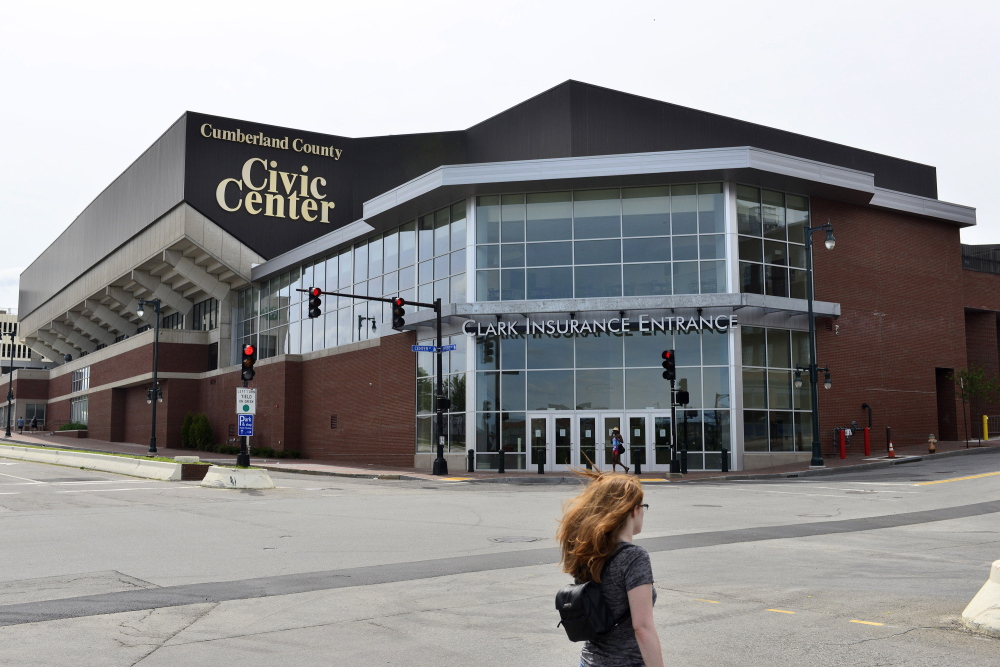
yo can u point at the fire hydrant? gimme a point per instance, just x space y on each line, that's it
931 441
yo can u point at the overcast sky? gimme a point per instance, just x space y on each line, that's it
89 86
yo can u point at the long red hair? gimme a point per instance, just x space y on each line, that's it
588 532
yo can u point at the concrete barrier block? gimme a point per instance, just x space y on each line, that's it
187 459
123 465
983 613
219 477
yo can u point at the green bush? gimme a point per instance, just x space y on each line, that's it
186 430
73 426
201 432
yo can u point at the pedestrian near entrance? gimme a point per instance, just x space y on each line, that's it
34 424
20 424
617 449
595 538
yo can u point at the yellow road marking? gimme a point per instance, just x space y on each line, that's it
456 479
867 622
781 611
704 600
958 479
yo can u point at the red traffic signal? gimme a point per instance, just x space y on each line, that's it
669 365
398 312
248 351
314 302
249 359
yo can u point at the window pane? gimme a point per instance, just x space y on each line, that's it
442 227
441 290
713 277
458 226
751 249
754 388
487 285
751 278
512 216
458 288
599 350
646 211
776 280
647 250
598 252
686 278
688 348
487 257
442 266
425 237
487 390
597 281
754 431
775 252
800 348
748 210
550 390
600 389
512 390
360 261
375 255
407 244
646 279
797 256
753 346
711 208
715 347
513 351
782 437
488 219
549 254
685 247
716 430
778 349
425 272
803 431
511 254
458 261
407 277
797 288
512 284
773 214
549 216
550 351
716 387
646 388
712 247
596 214
684 209
797 212
644 349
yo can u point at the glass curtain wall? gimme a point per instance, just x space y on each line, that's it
601 372
455 376
598 243
777 417
772 241
420 261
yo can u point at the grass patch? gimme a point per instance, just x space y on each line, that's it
88 451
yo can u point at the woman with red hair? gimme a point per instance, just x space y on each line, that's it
595 537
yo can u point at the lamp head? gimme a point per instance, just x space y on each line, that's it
826 381
798 380
830 241
140 311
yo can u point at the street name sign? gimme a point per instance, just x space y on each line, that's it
449 348
246 401
423 348
245 425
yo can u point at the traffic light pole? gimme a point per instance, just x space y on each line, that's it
675 464
440 464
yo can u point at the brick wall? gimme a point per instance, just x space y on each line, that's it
982 351
899 281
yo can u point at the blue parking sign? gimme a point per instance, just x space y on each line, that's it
245 425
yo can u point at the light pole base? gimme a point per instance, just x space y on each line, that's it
440 467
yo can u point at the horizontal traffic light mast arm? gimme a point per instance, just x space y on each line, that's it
376 298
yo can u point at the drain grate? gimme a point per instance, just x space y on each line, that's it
514 539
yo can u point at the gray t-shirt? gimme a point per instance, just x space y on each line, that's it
629 569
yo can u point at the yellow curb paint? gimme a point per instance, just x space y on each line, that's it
781 611
704 600
958 479
867 622
456 479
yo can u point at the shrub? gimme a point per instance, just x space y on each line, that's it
73 426
186 430
200 434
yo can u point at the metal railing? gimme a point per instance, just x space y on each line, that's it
985 259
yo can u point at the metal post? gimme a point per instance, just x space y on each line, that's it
817 451
440 465
965 418
675 465
10 382
156 385
684 445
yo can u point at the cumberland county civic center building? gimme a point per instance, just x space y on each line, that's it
572 239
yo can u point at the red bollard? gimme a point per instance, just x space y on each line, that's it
843 443
868 441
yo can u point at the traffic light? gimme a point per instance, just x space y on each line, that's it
683 397
488 350
669 365
249 359
398 311
314 302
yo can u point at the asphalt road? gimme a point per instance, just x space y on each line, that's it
861 569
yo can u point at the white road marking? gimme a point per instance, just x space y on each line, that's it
33 481
134 488
836 488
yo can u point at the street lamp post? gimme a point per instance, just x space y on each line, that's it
10 381
153 396
830 242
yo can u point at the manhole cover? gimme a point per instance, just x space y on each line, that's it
514 539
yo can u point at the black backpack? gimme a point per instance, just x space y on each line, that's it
584 613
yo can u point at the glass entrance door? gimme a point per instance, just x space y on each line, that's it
637 441
589 437
551 437
661 441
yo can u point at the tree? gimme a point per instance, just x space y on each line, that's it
976 385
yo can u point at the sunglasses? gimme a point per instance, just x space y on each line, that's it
645 507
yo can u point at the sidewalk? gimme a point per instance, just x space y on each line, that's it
855 461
